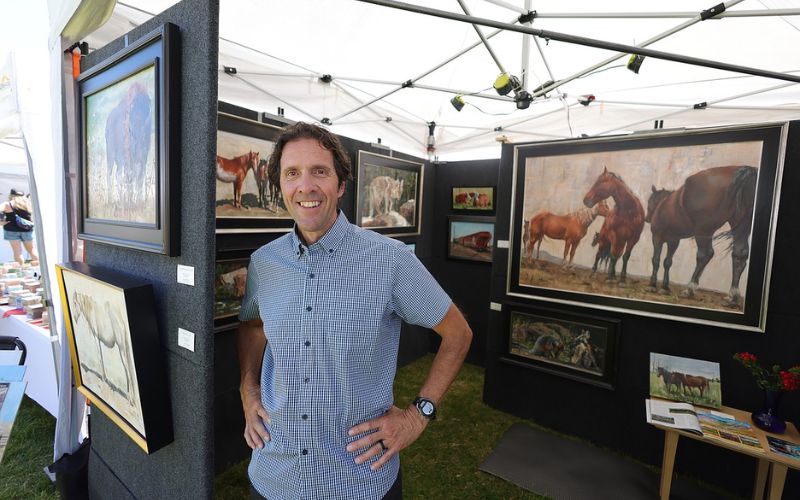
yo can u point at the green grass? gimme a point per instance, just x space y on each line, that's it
444 462
29 451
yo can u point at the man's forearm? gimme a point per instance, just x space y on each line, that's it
250 343
456 338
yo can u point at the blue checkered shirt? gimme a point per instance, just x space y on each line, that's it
332 313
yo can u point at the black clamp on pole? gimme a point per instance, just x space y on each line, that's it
229 70
701 105
712 12
326 78
326 121
527 18
406 84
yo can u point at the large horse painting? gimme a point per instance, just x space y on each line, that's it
672 228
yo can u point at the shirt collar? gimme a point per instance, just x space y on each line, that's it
330 241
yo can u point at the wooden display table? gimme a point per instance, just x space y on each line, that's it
771 466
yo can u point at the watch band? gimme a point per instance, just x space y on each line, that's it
425 407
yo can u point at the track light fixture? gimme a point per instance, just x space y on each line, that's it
505 83
523 99
635 62
458 102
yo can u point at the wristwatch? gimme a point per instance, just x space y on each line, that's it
425 407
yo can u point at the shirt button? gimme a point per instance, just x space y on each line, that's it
330 251
306 380
311 275
304 452
308 308
307 343
305 417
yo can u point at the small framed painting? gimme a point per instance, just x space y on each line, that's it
230 279
685 379
575 346
470 238
128 149
473 199
116 352
388 194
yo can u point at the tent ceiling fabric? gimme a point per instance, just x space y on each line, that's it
281 49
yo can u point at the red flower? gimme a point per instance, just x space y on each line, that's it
773 378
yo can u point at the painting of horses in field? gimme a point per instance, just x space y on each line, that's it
99 320
577 346
658 226
120 156
685 379
388 194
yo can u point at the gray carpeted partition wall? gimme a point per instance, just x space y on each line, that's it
118 468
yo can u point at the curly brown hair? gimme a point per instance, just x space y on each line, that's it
327 140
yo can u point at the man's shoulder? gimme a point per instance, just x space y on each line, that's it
274 247
365 237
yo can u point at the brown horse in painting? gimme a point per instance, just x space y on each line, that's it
571 228
705 202
235 170
624 223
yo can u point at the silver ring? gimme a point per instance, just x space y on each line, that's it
383 446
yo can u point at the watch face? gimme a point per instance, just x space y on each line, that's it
427 408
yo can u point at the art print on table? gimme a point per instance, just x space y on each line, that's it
246 200
470 238
388 194
685 379
674 225
128 194
571 345
113 337
473 199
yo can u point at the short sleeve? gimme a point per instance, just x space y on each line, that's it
249 310
416 296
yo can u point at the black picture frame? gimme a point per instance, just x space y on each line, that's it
127 109
115 348
230 279
261 208
474 200
645 164
407 194
576 346
466 238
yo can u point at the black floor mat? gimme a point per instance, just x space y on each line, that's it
563 469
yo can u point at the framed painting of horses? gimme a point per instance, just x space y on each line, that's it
115 349
388 194
677 224
478 199
685 379
246 200
575 346
470 238
128 193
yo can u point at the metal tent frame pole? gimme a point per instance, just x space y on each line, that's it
589 42
660 15
483 38
423 75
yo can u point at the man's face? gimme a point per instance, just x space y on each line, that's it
310 187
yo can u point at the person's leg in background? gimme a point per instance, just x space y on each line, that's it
27 240
16 247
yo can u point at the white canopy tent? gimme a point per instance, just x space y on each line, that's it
393 72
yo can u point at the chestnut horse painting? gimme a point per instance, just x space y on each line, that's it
701 206
571 228
234 170
624 223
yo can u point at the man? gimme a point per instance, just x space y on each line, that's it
319 336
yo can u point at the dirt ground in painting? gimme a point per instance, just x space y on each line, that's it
458 250
546 274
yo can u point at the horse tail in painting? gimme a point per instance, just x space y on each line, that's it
741 193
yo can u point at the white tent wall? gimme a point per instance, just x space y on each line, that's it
281 51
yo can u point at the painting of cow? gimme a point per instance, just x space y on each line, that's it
473 199
120 160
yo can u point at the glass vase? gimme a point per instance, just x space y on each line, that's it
767 418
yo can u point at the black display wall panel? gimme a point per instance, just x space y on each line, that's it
118 468
616 418
229 443
468 283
